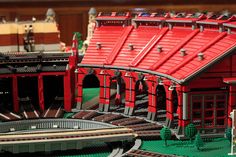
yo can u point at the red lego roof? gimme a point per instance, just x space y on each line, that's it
173 53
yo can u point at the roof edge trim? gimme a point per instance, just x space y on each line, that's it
227 53
131 69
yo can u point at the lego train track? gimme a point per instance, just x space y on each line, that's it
94 134
142 153
144 129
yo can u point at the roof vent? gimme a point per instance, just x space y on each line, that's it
159 48
200 56
131 46
99 45
201 28
229 31
182 52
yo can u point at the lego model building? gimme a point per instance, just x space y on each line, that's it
158 75
173 69
34 71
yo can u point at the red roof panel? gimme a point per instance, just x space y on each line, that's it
107 36
139 38
146 40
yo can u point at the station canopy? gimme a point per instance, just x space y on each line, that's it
178 48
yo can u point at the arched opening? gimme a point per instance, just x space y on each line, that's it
91 90
175 101
6 95
28 96
175 107
161 103
53 91
141 100
117 95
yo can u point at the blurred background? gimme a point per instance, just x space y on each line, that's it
72 15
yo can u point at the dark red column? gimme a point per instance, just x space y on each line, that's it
169 104
152 108
104 98
79 85
40 92
130 94
67 91
15 94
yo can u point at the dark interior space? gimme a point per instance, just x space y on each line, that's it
175 101
28 91
6 94
161 97
91 81
53 90
141 101
117 92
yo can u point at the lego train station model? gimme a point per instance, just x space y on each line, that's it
169 69
184 64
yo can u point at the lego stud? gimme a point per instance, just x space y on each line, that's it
76 71
200 56
16 20
159 48
172 87
33 19
131 46
127 74
99 45
182 52
102 72
54 66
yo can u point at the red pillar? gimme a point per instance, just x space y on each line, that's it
169 104
232 102
67 91
130 94
180 106
69 84
108 93
15 94
40 92
104 101
152 109
79 99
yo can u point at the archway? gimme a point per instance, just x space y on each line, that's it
117 94
161 103
53 91
28 96
141 100
91 91
6 94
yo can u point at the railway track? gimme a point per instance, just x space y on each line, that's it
66 135
141 153
144 129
